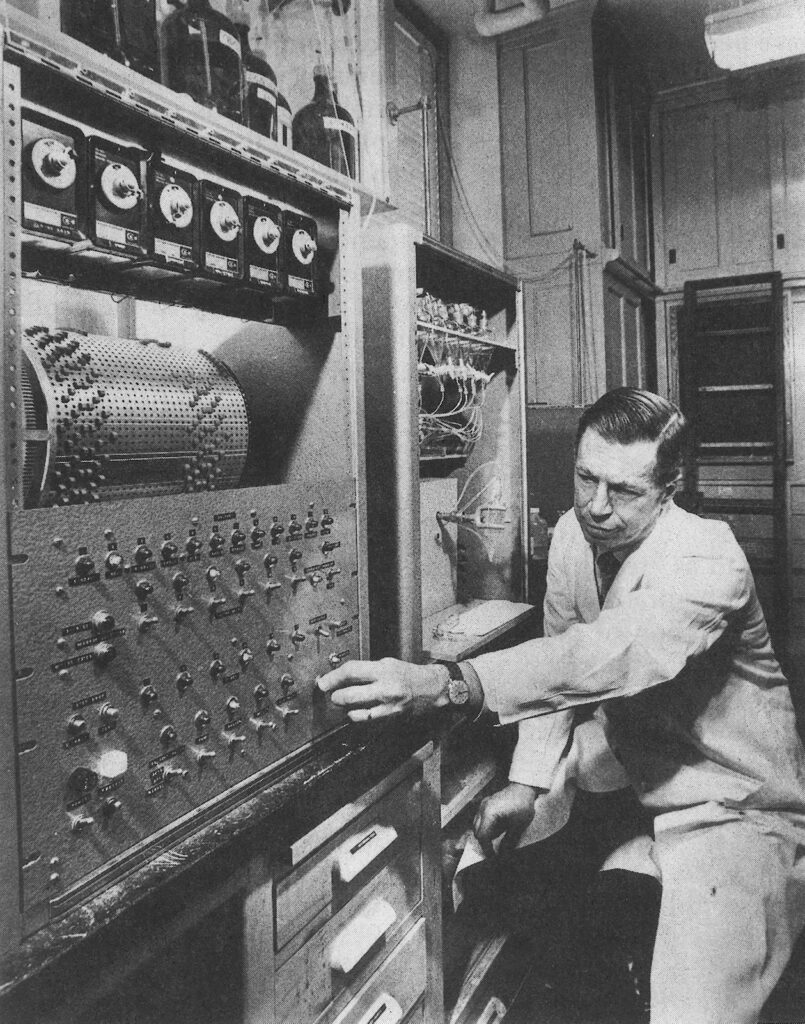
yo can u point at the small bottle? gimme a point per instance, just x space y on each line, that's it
259 89
284 122
324 130
538 536
201 55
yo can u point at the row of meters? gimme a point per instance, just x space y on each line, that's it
107 202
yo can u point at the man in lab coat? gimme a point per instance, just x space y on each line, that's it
654 617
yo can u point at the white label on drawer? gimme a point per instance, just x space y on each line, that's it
110 232
359 851
384 1010
357 937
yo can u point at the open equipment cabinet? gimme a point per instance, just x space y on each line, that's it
445 496
732 386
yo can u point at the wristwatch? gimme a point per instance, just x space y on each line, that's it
458 690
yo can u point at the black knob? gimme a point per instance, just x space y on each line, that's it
257 535
183 681
232 706
260 693
114 561
102 622
272 645
169 550
143 588
203 719
148 695
84 565
294 528
294 554
277 529
242 567
216 668
104 652
238 538
216 543
180 583
269 562
82 780
193 545
143 554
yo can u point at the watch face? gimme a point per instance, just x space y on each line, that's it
458 692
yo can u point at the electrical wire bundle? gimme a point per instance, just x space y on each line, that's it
453 376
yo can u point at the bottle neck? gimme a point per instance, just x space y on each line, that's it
322 92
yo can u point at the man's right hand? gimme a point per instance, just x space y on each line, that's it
508 811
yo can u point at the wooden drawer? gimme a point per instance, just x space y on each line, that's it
343 952
389 997
389 829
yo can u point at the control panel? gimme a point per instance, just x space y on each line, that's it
182 467
166 656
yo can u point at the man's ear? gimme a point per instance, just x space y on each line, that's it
670 489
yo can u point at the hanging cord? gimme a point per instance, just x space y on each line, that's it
485 244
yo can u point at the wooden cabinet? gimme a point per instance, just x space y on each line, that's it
729 197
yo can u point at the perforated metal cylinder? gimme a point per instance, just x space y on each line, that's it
110 418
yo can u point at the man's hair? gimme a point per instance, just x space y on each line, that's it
627 415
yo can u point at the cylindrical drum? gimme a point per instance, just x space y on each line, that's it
109 418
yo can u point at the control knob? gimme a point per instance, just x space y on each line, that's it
82 781
276 530
169 551
260 693
232 707
114 561
273 645
142 554
192 546
334 660
216 668
184 681
110 806
245 658
148 695
180 583
237 539
104 652
102 622
84 565
242 567
202 720
257 535
216 543
143 588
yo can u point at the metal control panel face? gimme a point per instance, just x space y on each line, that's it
166 653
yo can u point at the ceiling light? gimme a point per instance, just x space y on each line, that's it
757 32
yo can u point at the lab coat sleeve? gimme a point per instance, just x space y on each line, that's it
541 743
678 611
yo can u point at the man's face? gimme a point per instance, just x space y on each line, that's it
616 499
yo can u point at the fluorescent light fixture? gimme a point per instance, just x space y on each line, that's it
757 32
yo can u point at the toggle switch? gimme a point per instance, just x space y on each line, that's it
183 611
184 681
334 660
110 806
174 773
322 631
146 621
82 823
233 741
76 725
203 756
109 715
168 734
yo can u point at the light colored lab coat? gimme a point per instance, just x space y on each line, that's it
695 706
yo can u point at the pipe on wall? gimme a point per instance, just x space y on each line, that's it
493 23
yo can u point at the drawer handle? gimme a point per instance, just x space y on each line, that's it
384 1010
355 939
353 856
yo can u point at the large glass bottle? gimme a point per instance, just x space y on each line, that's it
324 130
125 30
202 56
259 89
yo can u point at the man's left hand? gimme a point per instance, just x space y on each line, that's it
381 689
